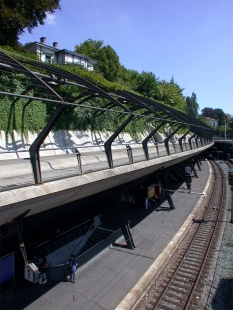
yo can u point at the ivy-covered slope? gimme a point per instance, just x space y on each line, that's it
24 117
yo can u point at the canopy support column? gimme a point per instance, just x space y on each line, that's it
190 141
108 143
125 227
169 137
35 147
145 141
180 140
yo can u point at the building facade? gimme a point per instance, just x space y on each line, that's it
48 54
212 121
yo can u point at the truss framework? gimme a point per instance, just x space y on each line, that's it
122 102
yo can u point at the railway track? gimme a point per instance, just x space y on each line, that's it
185 281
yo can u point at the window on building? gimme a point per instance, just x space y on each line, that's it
48 59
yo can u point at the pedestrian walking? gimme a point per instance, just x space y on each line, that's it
43 271
72 269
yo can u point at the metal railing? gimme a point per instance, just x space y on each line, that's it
62 239
128 154
60 272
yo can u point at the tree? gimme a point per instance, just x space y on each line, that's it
217 114
16 15
147 85
192 106
220 116
128 78
171 94
108 63
90 48
207 112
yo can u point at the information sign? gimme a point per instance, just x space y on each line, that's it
151 191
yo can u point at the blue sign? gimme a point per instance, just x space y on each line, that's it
6 273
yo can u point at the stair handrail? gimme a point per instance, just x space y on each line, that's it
97 218
58 236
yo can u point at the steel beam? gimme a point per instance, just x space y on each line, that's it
79 159
34 149
125 228
190 141
169 137
167 193
145 141
20 67
108 143
180 140
196 140
129 153
193 167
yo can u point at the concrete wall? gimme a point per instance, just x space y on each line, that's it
64 142
54 193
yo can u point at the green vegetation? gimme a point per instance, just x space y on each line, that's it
16 15
109 74
91 76
145 84
20 50
108 63
192 106
225 121
15 115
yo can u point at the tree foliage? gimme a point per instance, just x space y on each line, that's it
217 114
16 15
147 85
21 50
108 63
192 106
170 93
16 116
128 78
90 48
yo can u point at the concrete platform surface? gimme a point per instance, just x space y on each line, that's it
115 273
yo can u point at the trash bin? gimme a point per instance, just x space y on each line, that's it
31 273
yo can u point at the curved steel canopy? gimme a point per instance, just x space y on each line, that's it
126 101
122 102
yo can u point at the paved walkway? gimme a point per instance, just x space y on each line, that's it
105 281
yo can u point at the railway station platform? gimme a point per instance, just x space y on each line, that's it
116 277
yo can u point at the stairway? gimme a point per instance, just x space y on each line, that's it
98 235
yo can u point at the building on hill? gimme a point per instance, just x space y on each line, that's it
48 53
212 121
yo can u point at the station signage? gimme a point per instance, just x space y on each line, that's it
151 191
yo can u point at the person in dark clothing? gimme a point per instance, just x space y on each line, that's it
72 268
43 271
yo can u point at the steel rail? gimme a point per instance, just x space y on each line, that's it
212 240
160 299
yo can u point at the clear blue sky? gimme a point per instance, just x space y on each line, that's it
191 40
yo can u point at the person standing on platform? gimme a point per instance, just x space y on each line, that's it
72 269
43 271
